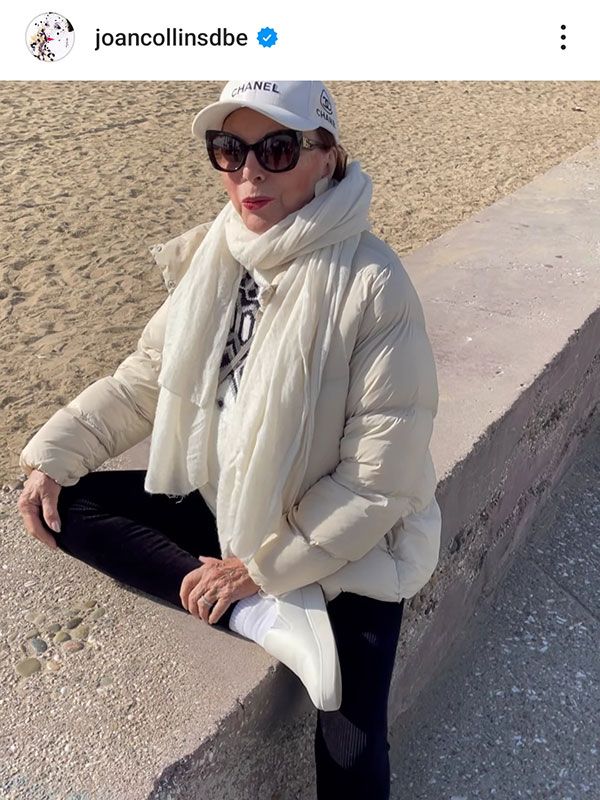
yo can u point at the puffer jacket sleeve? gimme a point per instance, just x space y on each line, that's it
107 418
384 452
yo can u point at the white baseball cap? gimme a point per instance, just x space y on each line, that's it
300 105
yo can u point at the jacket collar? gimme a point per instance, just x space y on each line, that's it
174 256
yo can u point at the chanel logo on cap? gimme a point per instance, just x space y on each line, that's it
326 102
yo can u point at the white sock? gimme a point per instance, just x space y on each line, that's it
253 616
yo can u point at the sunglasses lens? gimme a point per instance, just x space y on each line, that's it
227 152
276 153
279 151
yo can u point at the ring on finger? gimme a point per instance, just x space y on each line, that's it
206 602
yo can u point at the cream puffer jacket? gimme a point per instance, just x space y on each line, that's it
367 521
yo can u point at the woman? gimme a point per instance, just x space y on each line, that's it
311 479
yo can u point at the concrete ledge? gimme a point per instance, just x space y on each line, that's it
511 298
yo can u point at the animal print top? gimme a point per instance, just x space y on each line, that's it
241 332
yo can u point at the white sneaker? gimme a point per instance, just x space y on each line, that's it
295 629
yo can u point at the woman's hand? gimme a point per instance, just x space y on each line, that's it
40 497
222 581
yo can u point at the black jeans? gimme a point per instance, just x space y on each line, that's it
151 542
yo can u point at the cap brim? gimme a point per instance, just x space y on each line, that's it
213 116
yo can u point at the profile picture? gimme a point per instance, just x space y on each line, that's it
50 36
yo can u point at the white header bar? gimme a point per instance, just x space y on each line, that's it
307 40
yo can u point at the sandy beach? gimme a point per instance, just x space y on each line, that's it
94 173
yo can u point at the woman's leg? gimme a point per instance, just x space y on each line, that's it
351 744
147 541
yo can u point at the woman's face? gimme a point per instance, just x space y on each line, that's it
288 191
54 27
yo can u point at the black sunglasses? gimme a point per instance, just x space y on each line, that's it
275 152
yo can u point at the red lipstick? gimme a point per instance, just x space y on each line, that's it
256 202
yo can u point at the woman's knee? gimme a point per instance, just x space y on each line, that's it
73 499
75 505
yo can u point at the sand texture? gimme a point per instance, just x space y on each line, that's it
93 173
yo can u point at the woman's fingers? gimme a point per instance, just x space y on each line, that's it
50 511
189 582
214 581
200 608
30 512
209 590
195 588
40 496
216 612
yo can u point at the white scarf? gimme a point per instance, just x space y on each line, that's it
269 438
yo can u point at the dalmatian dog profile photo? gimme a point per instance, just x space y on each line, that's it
50 36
